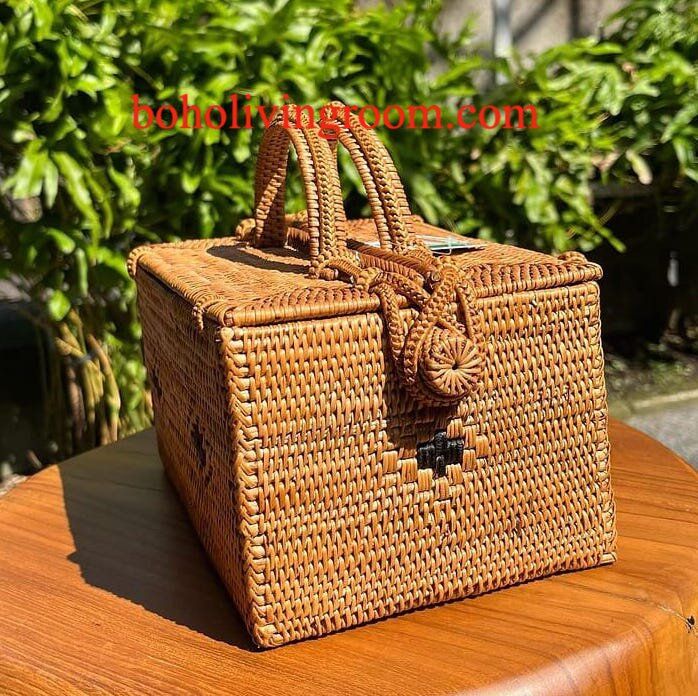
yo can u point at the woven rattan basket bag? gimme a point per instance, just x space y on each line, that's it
358 425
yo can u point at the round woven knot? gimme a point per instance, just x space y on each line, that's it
451 364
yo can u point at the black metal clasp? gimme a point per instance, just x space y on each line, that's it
440 452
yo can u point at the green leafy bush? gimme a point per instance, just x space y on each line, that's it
653 115
619 110
82 186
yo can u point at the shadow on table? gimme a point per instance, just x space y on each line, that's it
133 539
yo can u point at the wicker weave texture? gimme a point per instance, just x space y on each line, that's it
291 402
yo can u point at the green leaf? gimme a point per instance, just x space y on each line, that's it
55 107
685 154
130 195
27 180
64 243
58 305
43 18
682 118
50 183
191 178
76 186
113 260
640 167
81 271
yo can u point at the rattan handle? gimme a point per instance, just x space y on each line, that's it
325 208
385 192
389 207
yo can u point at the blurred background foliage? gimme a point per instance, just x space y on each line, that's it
80 186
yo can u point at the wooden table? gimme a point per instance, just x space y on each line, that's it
103 587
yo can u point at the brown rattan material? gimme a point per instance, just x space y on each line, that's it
300 377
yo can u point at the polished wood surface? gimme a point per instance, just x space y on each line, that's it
104 588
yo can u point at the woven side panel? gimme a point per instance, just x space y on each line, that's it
197 421
349 529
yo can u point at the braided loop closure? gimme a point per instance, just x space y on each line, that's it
325 209
437 358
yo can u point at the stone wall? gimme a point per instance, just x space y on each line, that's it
536 24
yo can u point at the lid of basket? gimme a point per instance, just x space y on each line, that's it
235 284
